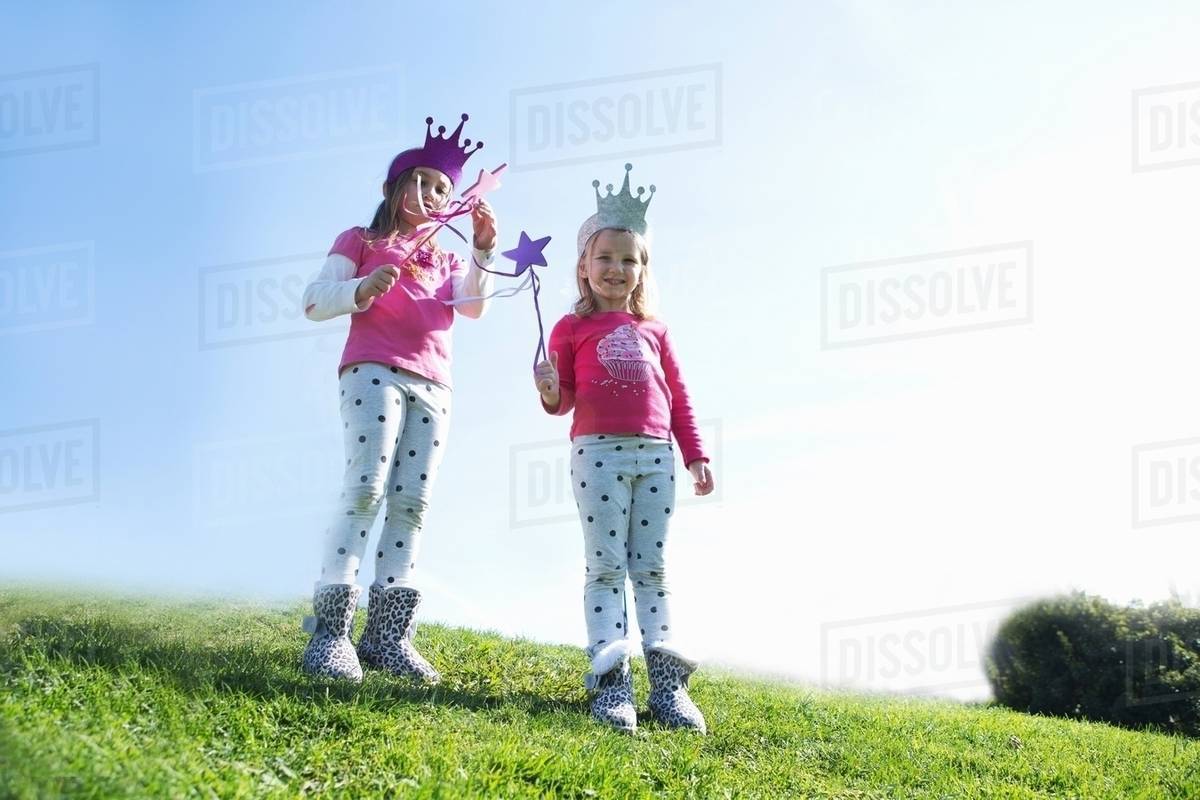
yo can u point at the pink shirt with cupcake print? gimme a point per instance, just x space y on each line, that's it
620 375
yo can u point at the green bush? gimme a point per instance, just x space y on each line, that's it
1082 657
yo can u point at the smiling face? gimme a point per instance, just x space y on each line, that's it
430 184
612 266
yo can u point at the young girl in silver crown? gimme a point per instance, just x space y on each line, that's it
613 364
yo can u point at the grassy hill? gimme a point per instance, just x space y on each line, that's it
114 697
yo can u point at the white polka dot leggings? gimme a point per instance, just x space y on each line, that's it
395 425
625 489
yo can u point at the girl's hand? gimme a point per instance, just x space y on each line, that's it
545 376
378 282
483 220
702 477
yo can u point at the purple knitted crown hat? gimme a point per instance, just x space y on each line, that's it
440 153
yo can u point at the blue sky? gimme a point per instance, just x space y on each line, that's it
937 477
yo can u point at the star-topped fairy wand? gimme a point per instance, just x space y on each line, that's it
526 255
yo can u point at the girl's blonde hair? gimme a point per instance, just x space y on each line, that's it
387 223
641 302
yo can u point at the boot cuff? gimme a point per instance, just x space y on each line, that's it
667 648
609 656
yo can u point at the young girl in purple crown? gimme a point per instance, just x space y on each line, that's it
401 291
613 364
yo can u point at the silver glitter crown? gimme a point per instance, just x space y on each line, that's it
622 210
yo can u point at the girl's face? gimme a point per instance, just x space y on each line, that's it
430 184
613 267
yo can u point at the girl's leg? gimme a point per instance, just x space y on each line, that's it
601 480
653 504
370 422
372 416
387 639
419 451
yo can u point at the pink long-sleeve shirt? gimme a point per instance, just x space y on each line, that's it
620 375
410 325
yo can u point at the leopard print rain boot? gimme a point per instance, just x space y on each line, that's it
330 653
669 700
612 697
386 642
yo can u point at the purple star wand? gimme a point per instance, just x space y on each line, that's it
528 254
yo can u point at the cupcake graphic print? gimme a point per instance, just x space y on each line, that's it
622 354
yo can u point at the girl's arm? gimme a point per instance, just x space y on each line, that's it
683 420
562 346
331 293
474 282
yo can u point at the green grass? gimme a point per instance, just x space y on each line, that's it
108 697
